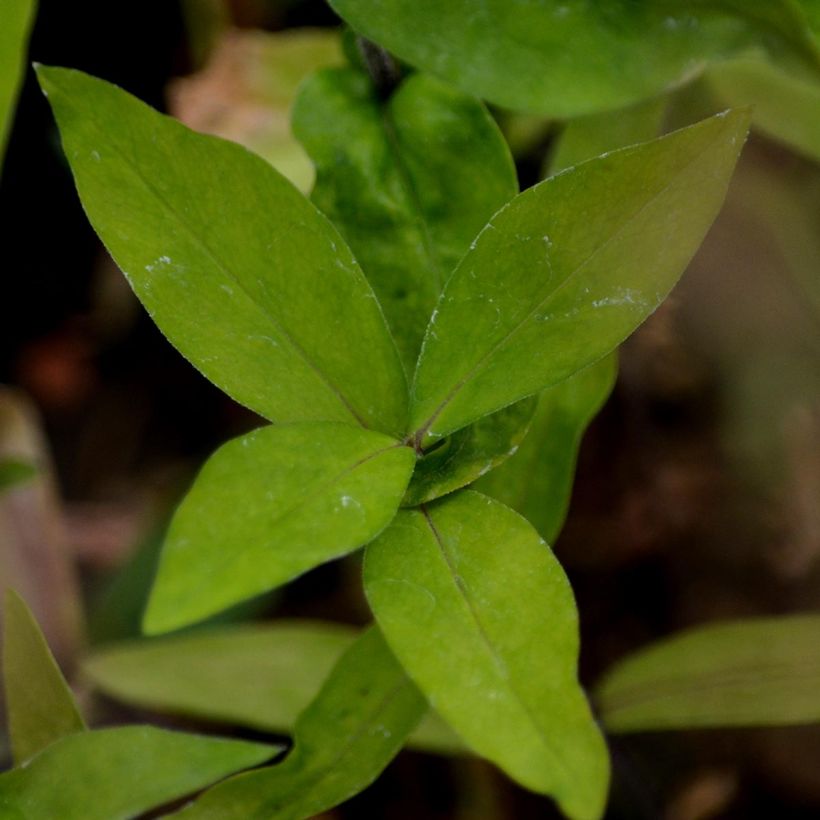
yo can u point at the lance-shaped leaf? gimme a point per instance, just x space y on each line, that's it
269 506
39 703
345 738
537 480
565 58
409 182
478 611
272 671
755 672
17 17
561 275
470 453
116 774
245 277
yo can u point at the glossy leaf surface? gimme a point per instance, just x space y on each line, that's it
269 506
409 182
561 275
565 58
755 672
537 480
115 774
480 614
470 453
245 277
350 732
17 17
272 671
39 704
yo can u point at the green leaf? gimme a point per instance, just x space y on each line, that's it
345 738
269 506
480 614
14 471
537 480
755 672
114 774
567 270
39 704
18 18
786 106
563 58
470 453
272 671
408 182
245 277
587 137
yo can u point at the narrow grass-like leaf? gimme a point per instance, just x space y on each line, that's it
269 506
409 182
567 270
345 738
480 614
272 671
537 480
566 58
116 774
245 277
586 137
39 703
17 17
754 672
470 453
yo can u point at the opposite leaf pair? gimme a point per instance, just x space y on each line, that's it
258 289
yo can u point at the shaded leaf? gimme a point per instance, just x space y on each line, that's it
480 614
537 480
408 181
272 671
561 275
246 90
786 106
269 506
39 703
566 58
470 453
245 277
587 137
114 774
754 672
345 738
18 17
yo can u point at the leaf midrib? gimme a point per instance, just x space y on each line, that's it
225 270
500 662
481 363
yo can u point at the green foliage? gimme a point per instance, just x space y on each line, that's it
480 614
39 704
268 303
284 500
543 294
18 17
349 733
115 774
558 57
14 471
755 672
537 479
520 295
399 180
